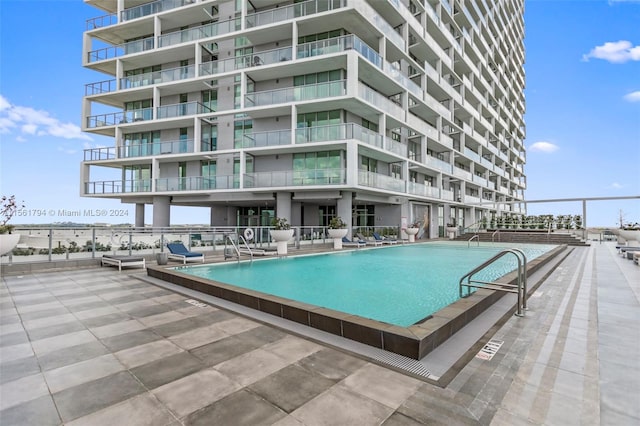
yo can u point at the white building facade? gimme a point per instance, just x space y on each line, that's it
382 112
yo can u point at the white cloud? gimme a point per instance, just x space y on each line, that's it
633 96
543 147
35 122
617 52
616 185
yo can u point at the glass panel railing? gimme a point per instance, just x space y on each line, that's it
163 76
203 31
182 110
297 10
437 164
377 180
395 147
98 154
422 190
156 148
273 138
117 186
100 87
122 117
122 49
339 132
246 61
101 21
295 178
296 94
151 8
379 100
196 183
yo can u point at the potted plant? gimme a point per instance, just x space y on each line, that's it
337 230
8 240
281 233
412 230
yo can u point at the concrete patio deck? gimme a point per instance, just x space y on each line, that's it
100 347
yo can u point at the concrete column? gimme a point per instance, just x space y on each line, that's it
283 206
140 215
161 211
344 207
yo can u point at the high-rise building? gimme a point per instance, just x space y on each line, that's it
382 112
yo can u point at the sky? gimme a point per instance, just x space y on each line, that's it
582 111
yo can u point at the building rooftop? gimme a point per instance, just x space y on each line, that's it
97 346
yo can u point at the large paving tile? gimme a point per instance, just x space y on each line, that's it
22 390
50 344
193 392
14 352
292 348
84 371
40 411
252 366
149 352
12 370
291 387
223 350
129 340
198 337
96 395
71 355
165 370
332 364
339 406
141 410
17 338
61 317
56 330
117 328
239 408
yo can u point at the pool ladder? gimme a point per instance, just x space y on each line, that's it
234 251
520 288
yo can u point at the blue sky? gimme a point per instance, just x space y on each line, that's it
582 100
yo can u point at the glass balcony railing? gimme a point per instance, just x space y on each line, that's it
196 33
99 154
297 10
162 76
101 21
156 148
122 49
123 117
273 138
380 101
395 147
197 183
339 132
380 181
100 87
295 178
296 94
339 44
246 61
422 190
117 186
151 8
182 110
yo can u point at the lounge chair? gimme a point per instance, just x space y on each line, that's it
377 237
180 252
348 243
369 242
120 261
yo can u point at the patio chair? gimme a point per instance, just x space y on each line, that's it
377 237
348 243
180 252
369 242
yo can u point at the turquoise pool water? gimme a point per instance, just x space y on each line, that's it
398 285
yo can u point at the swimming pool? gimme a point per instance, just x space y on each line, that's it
410 326
398 285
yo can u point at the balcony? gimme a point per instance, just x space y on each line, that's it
156 148
128 48
380 101
163 76
151 8
379 181
266 57
339 44
339 132
196 33
99 154
295 94
182 110
117 186
197 183
290 178
114 118
422 190
297 10
260 139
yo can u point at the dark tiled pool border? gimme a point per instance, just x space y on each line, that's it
414 341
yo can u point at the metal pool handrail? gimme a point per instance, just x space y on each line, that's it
475 237
520 288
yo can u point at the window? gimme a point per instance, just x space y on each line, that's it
414 151
141 144
209 140
210 99
208 173
241 128
325 214
184 138
323 126
396 171
363 215
236 170
369 164
317 168
182 175
136 178
369 125
139 110
318 85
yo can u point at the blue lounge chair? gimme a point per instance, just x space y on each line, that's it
369 242
377 237
348 243
180 252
